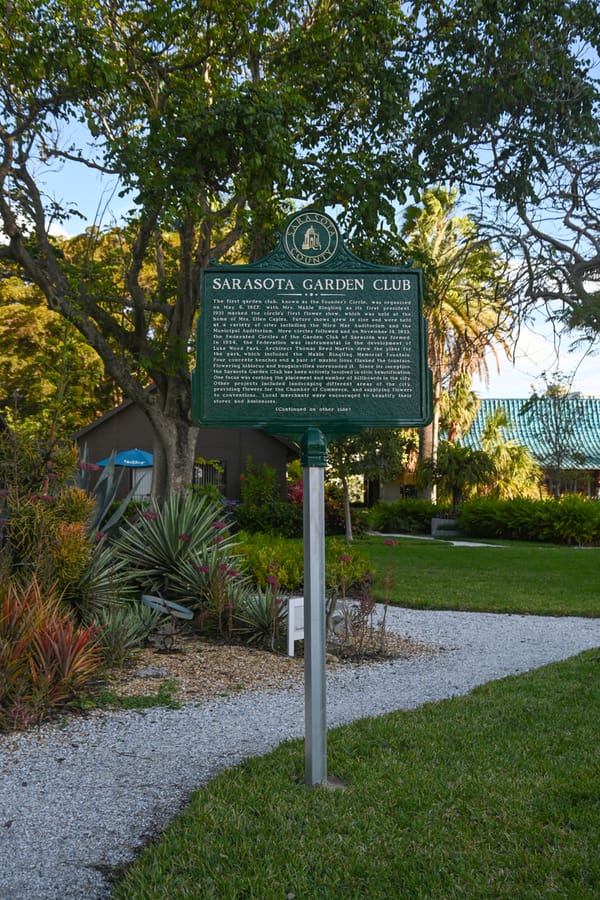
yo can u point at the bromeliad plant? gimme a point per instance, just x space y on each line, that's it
45 658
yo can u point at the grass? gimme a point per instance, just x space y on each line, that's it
109 699
492 795
536 579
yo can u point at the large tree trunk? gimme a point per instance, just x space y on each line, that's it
347 509
175 438
174 453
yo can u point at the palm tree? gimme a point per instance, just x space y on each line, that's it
465 298
516 472
458 407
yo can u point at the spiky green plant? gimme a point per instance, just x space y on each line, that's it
103 583
163 550
261 615
104 518
124 627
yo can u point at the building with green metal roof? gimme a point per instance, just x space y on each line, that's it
568 438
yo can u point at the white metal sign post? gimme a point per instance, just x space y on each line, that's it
313 472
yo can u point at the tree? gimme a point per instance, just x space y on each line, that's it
555 418
464 298
215 117
516 473
554 240
517 80
374 453
458 407
50 379
457 472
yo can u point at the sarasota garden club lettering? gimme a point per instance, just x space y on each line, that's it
232 283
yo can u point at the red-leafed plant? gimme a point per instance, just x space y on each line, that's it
45 659
64 659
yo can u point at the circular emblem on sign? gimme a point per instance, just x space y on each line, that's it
311 238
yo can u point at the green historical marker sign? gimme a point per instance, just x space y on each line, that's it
311 336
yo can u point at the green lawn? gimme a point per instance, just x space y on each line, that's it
492 795
539 579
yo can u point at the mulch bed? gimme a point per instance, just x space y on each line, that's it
204 670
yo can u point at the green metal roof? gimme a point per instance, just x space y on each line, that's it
522 430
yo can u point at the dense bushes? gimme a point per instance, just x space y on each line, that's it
278 517
268 557
570 520
405 516
263 511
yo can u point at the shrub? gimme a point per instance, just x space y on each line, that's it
405 516
575 520
124 627
46 534
275 517
261 615
258 483
571 520
155 549
213 586
345 568
267 556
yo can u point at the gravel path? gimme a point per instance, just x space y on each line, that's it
78 800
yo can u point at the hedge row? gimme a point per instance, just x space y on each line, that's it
405 516
570 520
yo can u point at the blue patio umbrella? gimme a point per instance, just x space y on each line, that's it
133 459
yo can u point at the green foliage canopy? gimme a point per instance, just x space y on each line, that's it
214 117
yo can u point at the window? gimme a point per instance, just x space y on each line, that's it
210 472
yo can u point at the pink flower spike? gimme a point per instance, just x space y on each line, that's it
343 558
150 514
204 570
273 581
184 537
219 524
219 539
99 535
391 542
47 498
89 467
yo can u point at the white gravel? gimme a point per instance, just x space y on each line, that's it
77 800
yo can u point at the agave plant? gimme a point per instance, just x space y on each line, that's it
211 583
163 548
124 627
103 584
104 493
261 616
